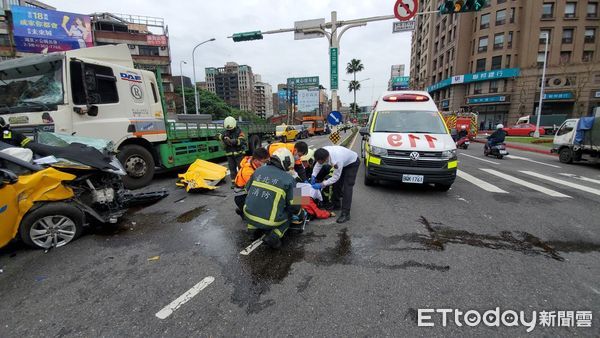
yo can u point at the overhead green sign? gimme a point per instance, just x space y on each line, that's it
303 82
333 66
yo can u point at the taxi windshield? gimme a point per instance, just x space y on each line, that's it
409 122
280 128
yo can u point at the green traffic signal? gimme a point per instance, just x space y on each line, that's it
247 36
461 6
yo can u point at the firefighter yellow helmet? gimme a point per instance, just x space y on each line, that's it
285 157
230 122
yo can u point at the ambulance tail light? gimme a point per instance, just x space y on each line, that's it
405 98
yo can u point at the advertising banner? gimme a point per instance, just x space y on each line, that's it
308 101
37 29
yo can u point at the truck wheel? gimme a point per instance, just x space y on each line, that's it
254 143
284 139
52 224
138 163
565 155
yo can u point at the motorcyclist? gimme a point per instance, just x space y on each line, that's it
234 141
497 137
270 206
463 132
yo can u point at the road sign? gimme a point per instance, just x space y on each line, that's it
404 10
333 68
247 36
335 137
334 118
300 25
298 83
403 26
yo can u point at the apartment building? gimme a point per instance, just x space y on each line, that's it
233 83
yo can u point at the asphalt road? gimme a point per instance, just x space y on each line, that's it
515 240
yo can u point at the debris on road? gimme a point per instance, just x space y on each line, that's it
153 258
202 175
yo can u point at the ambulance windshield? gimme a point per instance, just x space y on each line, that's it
409 122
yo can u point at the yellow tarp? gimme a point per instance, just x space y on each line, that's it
199 173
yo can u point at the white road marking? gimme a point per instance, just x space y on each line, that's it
526 184
252 246
480 183
530 160
565 183
581 178
477 158
353 141
187 296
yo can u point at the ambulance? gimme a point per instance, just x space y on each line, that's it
407 140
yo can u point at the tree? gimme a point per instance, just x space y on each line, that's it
353 67
213 105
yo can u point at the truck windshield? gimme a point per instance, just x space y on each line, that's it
307 124
31 88
409 122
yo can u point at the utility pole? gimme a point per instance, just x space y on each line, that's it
182 86
196 98
536 133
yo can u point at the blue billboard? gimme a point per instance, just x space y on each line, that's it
38 29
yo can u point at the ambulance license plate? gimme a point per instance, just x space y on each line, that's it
413 179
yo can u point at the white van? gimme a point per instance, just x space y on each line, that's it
407 140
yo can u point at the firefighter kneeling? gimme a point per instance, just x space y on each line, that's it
270 207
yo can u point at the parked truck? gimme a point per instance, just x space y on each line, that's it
97 92
315 124
579 139
456 120
550 123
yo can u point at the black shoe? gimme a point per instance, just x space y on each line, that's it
343 218
272 241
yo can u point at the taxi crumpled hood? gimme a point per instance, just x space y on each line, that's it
412 141
43 185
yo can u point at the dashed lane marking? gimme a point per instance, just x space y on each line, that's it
480 183
533 161
186 297
480 159
565 183
252 247
526 184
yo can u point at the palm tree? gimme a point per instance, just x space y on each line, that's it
353 67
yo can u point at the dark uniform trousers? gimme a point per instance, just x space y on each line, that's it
343 188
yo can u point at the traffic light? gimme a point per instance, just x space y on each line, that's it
247 36
461 6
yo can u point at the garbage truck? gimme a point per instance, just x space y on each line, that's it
579 139
97 92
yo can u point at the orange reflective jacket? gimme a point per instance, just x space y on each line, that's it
290 146
245 171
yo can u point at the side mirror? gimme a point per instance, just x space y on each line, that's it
8 177
364 131
92 110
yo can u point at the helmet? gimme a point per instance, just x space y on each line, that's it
500 126
310 155
285 157
463 128
230 122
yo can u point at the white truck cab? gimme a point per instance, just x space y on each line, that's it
406 140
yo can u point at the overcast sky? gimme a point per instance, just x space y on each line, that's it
277 56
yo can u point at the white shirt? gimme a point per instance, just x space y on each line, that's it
339 157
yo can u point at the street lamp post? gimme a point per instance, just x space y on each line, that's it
181 63
536 133
196 98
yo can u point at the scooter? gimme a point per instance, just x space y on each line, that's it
498 150
463 143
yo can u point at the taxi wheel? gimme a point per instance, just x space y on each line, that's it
54 224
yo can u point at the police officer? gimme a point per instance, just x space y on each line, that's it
345 165
270 206
234 141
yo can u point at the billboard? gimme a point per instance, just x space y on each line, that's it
37 29
156 40
308 101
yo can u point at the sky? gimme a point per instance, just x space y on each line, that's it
277 56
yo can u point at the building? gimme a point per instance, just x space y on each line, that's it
233 83
202 85
263 98
491 61
187 82
148 41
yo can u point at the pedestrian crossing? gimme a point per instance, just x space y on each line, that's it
559 185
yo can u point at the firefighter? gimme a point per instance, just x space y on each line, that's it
270 206
298 150
234 141
248 165
345 165
10 137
